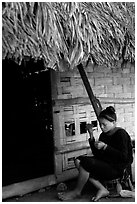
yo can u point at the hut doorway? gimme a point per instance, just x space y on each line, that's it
27 137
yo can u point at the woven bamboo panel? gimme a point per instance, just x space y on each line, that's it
71 122
70 118
68 158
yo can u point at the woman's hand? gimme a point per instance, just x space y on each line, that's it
99 145
90 130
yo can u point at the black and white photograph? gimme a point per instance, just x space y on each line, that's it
68 101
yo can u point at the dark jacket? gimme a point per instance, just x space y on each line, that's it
119 149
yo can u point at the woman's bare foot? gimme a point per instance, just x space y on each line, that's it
64 196
100 194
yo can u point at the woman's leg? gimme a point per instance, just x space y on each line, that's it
77 163
99 170
102 191
82 179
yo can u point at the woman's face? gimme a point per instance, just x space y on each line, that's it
106 125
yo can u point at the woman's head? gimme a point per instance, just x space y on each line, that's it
107 119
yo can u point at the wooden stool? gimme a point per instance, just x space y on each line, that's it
120 183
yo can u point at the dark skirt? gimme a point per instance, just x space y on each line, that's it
98 169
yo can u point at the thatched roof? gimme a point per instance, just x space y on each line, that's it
73 32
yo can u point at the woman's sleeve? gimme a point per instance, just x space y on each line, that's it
94 150
119 154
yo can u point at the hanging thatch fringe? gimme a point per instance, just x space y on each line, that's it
70 31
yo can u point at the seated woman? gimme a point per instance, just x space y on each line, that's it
112 153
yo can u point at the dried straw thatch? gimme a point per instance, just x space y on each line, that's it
69 31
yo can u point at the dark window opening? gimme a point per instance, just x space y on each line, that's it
70 128
83 128
94 124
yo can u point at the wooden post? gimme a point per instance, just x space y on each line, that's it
94 101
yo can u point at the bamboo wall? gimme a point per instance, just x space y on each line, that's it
71 106
72 109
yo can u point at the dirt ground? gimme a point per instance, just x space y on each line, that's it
49 194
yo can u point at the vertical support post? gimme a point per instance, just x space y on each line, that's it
94 101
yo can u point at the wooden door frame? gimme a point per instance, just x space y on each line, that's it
24 187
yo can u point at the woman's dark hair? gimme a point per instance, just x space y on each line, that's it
109 114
